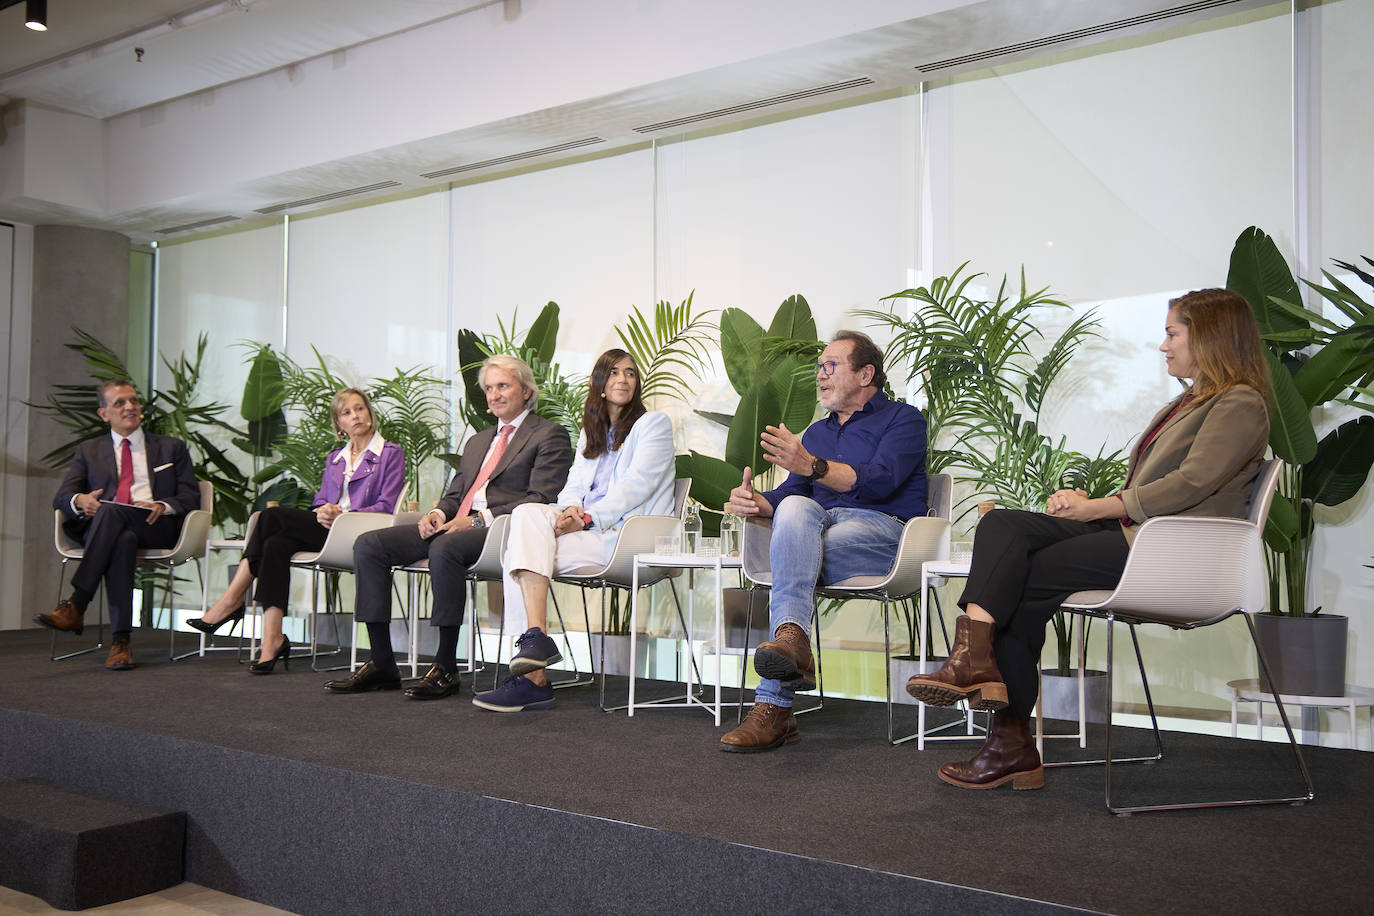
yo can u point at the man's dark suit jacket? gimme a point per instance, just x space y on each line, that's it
518 478
170 473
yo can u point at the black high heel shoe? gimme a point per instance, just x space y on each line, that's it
209 629
265 667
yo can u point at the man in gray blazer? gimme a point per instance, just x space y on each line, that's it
522 459
125 491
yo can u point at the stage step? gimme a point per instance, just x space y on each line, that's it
77 850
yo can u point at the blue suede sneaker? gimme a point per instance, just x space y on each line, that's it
516 695
534 650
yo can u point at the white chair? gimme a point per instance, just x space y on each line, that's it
636 536
486 568
1185 573
336 556
924 538
190 545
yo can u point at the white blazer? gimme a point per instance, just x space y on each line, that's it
641 481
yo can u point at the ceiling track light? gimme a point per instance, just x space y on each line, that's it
36 15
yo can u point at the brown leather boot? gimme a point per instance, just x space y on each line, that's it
1008 754
63 617
120 658
766 727
970 673
787 659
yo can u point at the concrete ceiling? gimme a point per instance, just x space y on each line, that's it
86 64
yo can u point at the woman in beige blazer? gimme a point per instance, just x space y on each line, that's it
1199 456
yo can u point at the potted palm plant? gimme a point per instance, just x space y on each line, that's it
986 377
1317 362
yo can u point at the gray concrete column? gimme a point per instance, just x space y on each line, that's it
80 280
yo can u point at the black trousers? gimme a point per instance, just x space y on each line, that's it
450 555
279 533
1024 565
112 538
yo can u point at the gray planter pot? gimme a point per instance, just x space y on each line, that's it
1059 696
903 667
1306 655
618 654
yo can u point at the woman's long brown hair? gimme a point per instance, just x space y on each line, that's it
1224 341
596 413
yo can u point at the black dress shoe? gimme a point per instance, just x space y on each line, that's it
368 677
435 685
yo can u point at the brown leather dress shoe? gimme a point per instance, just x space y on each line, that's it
969 674
120 658
63 617
787 659
766 727
1008 754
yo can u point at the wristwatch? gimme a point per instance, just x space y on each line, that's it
819 468
477 521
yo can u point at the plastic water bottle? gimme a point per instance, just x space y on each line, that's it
691 529
731 533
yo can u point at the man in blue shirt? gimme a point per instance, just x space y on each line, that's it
854 478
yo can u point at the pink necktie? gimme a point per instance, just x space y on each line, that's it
466 506
125 493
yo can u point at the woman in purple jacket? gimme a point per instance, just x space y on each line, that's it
367 474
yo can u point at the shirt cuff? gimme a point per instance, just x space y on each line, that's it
168 510
487 517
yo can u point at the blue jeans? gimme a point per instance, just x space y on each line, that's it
810 545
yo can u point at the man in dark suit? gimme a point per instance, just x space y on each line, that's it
522 459
124 491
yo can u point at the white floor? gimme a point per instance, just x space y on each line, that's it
183 900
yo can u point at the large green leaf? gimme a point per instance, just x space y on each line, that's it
1282 525
740 347
262 390
1291 435
543 334
1258 271
470 357
793 320
1341 466
793 384
712 479
758 408
263 434
1346 359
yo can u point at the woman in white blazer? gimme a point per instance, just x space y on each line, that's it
623 467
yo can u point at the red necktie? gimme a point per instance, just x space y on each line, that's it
466 506
125 493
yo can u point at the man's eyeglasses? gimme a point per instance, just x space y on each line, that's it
827 368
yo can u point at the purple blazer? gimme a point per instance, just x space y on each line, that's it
376 485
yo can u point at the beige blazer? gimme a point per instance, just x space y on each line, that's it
1203 462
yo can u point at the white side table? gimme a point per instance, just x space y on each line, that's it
1248 690
691 563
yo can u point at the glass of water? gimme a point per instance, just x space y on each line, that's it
666 546
708 547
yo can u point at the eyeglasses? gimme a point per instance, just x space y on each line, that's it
827 368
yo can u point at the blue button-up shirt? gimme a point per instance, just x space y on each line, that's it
885 444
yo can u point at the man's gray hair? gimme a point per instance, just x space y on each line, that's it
515 366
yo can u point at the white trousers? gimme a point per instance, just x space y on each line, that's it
531 546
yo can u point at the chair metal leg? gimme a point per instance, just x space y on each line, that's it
887 680
1108 760
578 679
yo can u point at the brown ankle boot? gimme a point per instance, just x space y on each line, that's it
1008 754
787 659
970 673
766 727
63 617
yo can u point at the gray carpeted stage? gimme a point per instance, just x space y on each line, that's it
329 804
